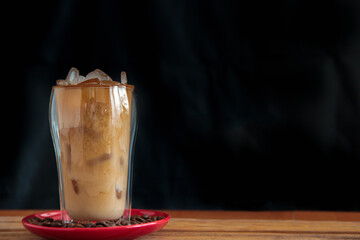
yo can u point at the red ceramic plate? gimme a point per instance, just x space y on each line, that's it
105 233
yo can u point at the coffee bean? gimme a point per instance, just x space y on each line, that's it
122 222
71 225
140 219
87 224
101 223
48 219
56 224
135 219
47 224
78 225
34 220
134 222
110 224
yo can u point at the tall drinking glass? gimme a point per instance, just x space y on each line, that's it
93 127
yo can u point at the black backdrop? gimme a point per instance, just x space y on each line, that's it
241 104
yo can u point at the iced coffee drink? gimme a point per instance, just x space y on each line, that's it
93 127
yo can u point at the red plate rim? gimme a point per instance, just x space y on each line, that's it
133 212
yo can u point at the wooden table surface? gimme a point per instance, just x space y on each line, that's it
191 225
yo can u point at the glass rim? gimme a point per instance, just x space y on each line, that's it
127 86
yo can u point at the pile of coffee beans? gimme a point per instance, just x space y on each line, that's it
135 219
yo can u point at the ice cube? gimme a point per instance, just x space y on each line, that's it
123 77
62 82
90 81
96 77
73 76
97 73
81 79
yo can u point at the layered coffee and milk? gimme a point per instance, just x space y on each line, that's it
94 117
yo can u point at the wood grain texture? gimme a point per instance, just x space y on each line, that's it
161 235
327 216
186 228
219 214
270 215
285 226
252 236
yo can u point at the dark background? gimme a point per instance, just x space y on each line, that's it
242 104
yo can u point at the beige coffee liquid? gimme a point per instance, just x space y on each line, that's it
94 133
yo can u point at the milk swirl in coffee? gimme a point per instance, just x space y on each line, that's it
94 117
